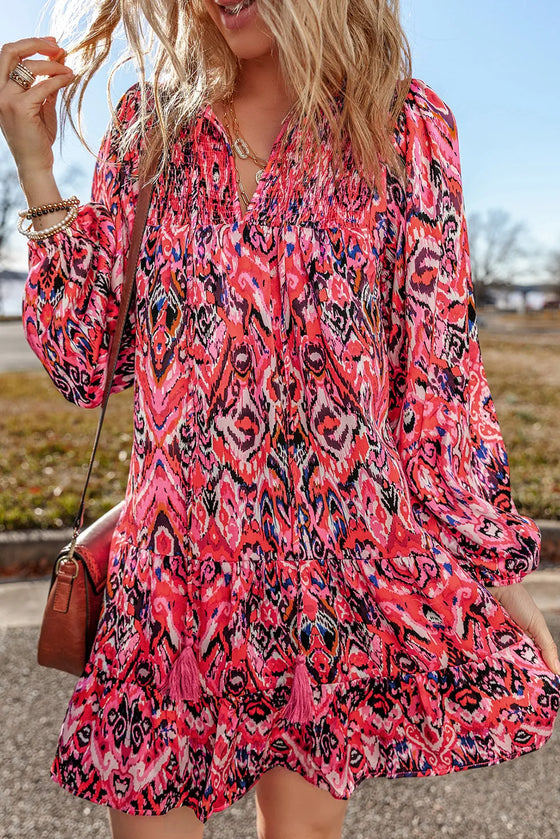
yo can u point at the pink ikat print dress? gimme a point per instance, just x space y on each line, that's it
318 494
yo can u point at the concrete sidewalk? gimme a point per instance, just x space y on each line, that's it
518 798
15 353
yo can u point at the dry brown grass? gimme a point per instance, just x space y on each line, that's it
45 444
522 361
45 441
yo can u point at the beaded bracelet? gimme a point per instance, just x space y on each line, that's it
44 209
37 235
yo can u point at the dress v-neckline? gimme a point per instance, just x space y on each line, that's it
252 207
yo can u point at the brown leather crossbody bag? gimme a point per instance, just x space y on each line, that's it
79 577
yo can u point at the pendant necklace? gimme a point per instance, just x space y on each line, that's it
242 148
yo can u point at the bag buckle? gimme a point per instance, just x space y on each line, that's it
66 558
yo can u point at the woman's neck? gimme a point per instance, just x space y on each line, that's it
261 81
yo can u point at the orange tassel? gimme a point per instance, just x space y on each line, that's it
300 707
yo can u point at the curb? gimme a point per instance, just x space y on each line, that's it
550 545
28 554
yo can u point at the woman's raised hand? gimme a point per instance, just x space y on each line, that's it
28 117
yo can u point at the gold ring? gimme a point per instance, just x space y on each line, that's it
22 75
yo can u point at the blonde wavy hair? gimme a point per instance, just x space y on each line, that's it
324 47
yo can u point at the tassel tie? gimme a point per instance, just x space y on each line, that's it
300 707
183 681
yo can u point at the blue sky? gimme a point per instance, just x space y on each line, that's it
495 62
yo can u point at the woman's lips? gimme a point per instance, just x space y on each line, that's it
230 4
238 20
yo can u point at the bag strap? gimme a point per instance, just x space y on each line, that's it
140 219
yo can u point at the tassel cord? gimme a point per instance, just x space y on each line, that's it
300 706
183 682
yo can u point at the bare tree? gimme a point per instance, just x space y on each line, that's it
496 250
10 198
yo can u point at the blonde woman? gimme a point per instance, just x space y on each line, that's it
316 577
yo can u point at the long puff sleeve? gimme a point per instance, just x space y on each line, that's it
441 411
69 305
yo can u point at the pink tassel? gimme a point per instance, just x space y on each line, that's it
300 707
184 678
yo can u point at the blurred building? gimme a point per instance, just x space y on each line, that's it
11 291
523 298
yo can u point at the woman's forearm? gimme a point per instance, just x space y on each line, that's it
40 188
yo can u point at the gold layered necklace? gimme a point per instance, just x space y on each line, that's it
242 149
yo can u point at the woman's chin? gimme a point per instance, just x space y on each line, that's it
252 48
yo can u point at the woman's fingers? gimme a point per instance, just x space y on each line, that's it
45 68
53 78
51 69
28 113
540 633
14 51
47 87
519 604
58 74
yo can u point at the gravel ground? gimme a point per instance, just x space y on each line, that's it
517 799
